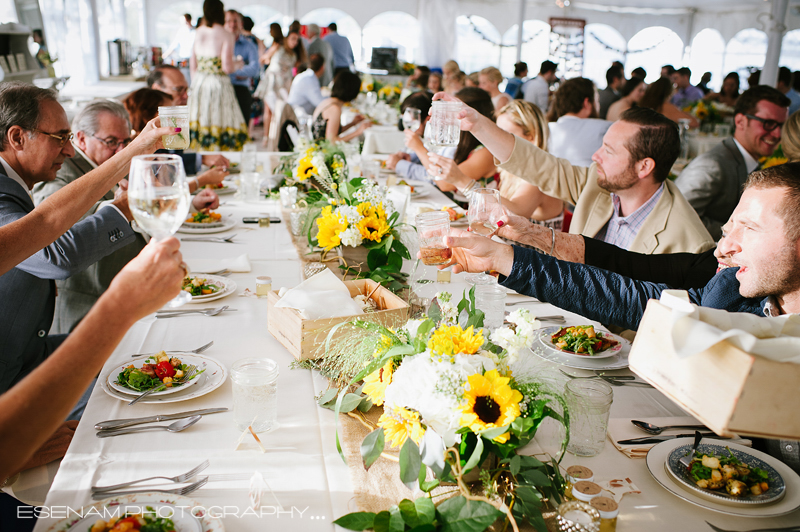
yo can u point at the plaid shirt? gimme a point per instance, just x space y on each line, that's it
621 231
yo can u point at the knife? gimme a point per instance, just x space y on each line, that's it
193 310
120 423
659 439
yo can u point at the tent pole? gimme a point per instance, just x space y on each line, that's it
769 74
519 29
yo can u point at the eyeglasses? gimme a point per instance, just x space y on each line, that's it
178 90
62 139
768 125
112 143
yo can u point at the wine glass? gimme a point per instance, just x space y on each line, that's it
485 210
411 119
159 197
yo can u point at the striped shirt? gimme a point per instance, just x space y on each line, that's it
621 231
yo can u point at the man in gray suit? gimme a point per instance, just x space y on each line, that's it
34 143
318 46
712 183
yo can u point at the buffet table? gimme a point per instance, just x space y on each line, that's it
310 485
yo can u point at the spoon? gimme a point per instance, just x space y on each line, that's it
177 426
655 429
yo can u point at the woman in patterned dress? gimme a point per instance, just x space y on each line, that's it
215 118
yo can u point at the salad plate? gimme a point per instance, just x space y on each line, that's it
656 462
187 514
212 378
226 188
545 339
618 361
204 229
225 285
186 359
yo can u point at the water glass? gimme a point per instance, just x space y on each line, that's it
491 299
485 210
255 393
297 221
249 158
589 403
370 168
411 119
288 197
175 116
250 185
722 130
445 125
432 228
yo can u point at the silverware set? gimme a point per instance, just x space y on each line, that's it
215 239
103 492
779 529
613 380
163 314
115 424
197 351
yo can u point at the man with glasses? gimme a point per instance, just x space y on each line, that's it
712 183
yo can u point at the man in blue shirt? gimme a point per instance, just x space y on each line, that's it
685 93
785 82
514 85
246 50
342 51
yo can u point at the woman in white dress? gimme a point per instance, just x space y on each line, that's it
489 79
278 76
215 118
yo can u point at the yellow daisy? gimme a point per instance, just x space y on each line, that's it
453 340
373 228
399 423
376 382
306 168
331 225
491 403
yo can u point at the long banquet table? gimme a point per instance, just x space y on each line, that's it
308 479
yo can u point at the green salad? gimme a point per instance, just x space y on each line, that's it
148 521
158 371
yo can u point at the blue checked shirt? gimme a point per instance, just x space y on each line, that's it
621 231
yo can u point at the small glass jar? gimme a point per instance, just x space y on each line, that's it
432 228
250 183
313 268
175 116
288 197
263 286
577 516
589 403
585 491
445 126
491 299
297 220
255 394
609 510
575 474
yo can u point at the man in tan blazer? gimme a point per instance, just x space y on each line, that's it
623 198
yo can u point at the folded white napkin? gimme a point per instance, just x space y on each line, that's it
695 329
240 264
322 296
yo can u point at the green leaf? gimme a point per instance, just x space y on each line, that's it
435 312
514 465
426 511
475 457
410 463
400 248
356 521
536 477
460 515
395 261
491 434
530 462
429 485
376 258
475 319
531 498
383 522
537 521
423 528
350 402
387 243
328 397
409 512
372 447
396 523
365 404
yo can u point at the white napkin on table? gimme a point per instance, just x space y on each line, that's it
322 296
240 264
695 329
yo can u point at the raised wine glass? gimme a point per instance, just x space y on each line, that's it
485 210
159 198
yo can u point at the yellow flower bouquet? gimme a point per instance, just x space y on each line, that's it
451 403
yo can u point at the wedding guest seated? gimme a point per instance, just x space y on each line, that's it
98 129
435 82
712 183
328 114
785 78
420 73
305 91
623 198
615 78
473 80
630 95
537 90
729 92
657 96
575 131
685 92
489 79
639 72
455 83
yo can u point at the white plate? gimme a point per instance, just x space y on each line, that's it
228 223
618 361
213 377
226 287
229 188
201 225
656 464
188 516
546 342
139 361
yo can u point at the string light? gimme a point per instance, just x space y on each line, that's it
487 39
623 52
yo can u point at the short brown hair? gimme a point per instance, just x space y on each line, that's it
21 105
782 176
570 97
657 139
747 102
142 106
315 62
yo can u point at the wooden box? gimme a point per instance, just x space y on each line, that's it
727 389
302 337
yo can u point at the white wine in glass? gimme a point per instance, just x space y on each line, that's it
485 210
158 196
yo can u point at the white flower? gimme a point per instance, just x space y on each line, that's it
350 213
449 310
351 237
515 341
412 326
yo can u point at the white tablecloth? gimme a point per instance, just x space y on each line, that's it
383 139
302 467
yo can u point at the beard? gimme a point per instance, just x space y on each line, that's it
618 182
782 276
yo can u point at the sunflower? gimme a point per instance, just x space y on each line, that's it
491 403
376 382
773 161
373 228
399 423
453 340
306 168
331 226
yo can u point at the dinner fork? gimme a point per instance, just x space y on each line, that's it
198 350
179 479
190 371
208 312
778 529
98 495
228 239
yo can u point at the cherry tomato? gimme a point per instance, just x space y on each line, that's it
164 369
